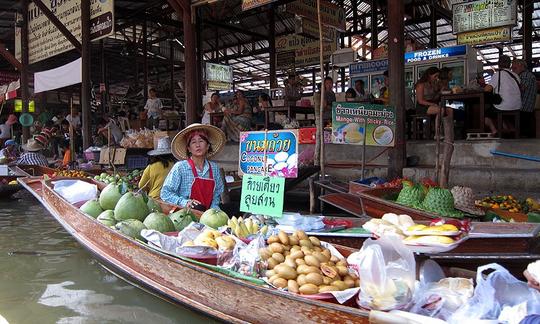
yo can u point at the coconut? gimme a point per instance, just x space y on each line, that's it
153 206
110 196
131 206
131 228
159 222
214 218
182 218
92 208
107 218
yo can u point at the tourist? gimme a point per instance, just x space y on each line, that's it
237 118
194 182
10 152
5 128
161 162
213 106
32 154
528 97
153 110
361 94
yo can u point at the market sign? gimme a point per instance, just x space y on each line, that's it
331 14
309 28
278 148
45 40
435 53
499 34
285 60
483 14
250 4
306 49
219 77
262 195
368 66
353 122
18 106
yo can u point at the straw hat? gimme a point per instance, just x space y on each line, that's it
464 200
32 146
12 119
163 147
215 136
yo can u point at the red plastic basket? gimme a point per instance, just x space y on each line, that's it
307 135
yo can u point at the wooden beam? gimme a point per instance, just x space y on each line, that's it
67 34
25 93
9 57
86 49
235 29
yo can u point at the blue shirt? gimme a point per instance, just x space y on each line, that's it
177 186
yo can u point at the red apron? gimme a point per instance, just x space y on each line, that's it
202 189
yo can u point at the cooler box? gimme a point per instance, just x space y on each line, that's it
307 135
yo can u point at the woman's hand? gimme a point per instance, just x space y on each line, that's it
531 281
192 203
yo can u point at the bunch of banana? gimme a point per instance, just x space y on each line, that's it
245 227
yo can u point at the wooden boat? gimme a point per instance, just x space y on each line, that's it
6 189
192 285
36 170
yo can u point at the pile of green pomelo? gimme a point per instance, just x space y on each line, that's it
131 212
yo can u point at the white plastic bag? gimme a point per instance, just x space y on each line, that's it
387 270
75 191
498 290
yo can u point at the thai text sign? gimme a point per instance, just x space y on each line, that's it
483 14
250 4
368 66
499 34
273 153
219 77
306 49
45 40
309 28
262 195
331 14
353 122
435 53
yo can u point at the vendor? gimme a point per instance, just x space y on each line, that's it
161 163
195 182
10 152
32 154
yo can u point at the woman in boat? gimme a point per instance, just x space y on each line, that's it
194 182
238 118
161 162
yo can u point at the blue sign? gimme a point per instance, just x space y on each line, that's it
368 66
410 57
435 54
277 156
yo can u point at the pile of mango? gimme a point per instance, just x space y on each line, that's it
509 203
69 173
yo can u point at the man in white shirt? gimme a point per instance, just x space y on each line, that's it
506 84
153 110
74 119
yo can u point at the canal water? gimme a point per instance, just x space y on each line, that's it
47 277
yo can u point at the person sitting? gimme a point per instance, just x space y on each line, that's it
161 162
5 128
213 106
505 83
238 118
445 76
351 95
259 112
384 91
10 152
32 154
360 91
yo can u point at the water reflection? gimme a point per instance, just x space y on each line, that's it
50 279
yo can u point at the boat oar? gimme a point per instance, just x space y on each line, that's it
516 156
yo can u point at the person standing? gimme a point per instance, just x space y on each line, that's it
528 97
153 109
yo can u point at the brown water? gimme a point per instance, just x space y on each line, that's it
47 277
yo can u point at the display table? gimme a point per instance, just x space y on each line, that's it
290 111
474 108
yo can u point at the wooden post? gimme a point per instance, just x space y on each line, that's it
103 77
396 70
171 53
190 60
374 27
145 60
200 55
86 82
319 145
24 70
433 26
527 32
272 46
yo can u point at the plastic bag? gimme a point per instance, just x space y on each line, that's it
245 258
75 191
387 270
498 290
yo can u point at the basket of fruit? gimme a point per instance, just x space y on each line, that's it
506 206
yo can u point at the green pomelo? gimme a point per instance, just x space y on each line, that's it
182 218
109 197
131 228
214 218
92 208
153 206
159 222
131 206
107 218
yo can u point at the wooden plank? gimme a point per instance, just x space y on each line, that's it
344 201
333 185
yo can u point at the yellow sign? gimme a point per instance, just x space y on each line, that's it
18 106
306 49
45 40
250 4
499 34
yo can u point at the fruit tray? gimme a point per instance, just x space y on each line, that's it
434 247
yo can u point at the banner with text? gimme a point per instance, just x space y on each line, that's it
331 14
483 14
250 4
45 40
219 77
499 34
281 147
353 122
262 195
306 49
